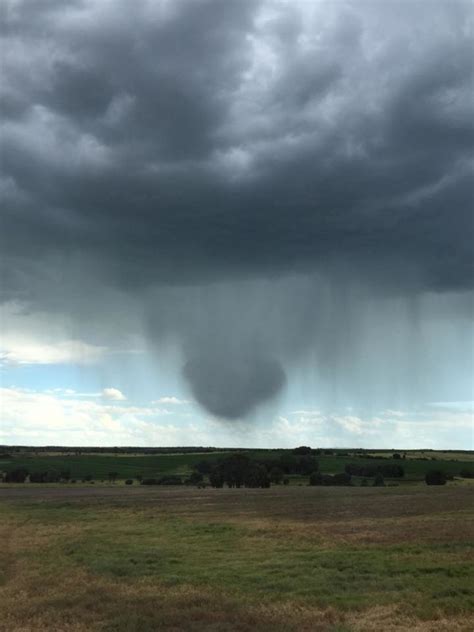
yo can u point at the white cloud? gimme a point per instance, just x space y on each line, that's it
170 400
66 417
352 424
113 394
23 351
47 417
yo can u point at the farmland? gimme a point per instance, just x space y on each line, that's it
126 465
102 556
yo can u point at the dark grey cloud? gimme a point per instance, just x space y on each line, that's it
183 143
231 386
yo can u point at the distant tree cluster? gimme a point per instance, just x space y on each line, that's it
21 474
169 479
341 479
238 470
16 476
49 476
390 470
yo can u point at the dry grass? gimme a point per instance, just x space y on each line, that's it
45 587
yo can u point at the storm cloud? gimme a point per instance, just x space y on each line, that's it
161 149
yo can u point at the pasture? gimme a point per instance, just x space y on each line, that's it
128 465
139 559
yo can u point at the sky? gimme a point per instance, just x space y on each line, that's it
236 223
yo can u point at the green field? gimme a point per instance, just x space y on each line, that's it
130 466
87 558
109 557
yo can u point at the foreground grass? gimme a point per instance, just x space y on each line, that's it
279 559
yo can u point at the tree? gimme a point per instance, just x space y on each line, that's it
436 477
170 479
307 464
342 478
276 475
216 478
205 467
379 480
303 449
17 476
37 477
316 478
233 469
194 478
52 476
256 475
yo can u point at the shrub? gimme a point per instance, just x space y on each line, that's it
149 481
16 476
379 480
316 478
36 477
194 478
49 476
276 475
435 477
52 476
364 482
129 481
286 481
343 478
466 473
170 479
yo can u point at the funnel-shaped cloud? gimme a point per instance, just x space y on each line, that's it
232 385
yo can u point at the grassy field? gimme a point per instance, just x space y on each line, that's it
140 559
128 466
